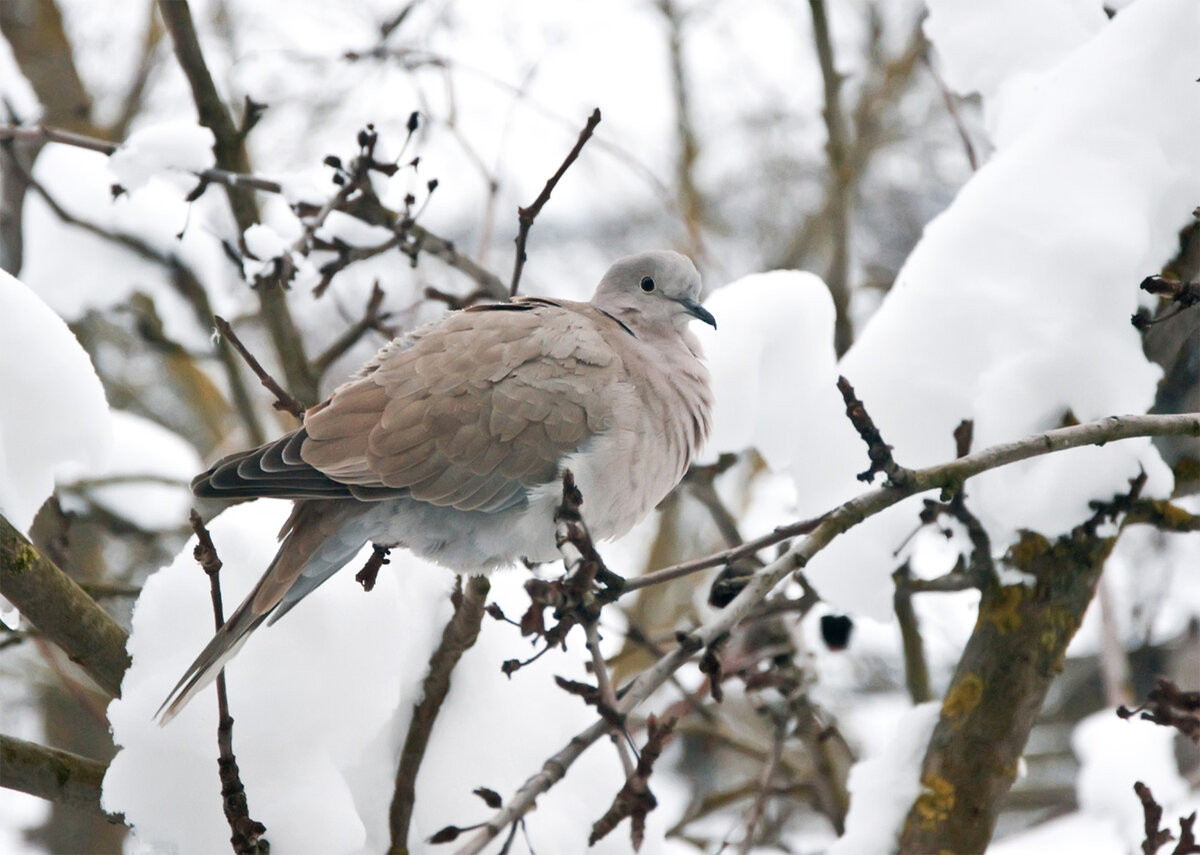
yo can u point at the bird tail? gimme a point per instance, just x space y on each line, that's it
319 538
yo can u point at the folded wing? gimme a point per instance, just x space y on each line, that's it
476 411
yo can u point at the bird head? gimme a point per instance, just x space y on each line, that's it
653 290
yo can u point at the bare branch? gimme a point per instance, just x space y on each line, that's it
420 239
247 838
283 401
57 776
635 799
372 319
878 450
525 216
837 147
955 116
916 667
457 638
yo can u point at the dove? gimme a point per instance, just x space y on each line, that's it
452 441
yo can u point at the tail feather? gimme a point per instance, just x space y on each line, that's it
318 540
223 647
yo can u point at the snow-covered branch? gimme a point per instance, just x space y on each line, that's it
947 477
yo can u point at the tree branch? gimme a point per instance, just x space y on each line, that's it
283 401
230 153
57 776
837 147
247 833
525 216
946 476
916 667
1010 660
422 240
54 603
457 638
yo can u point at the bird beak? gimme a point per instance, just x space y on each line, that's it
699 312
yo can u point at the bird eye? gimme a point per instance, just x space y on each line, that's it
647 284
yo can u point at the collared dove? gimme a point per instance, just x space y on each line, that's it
452 441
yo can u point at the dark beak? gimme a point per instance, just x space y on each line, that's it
699 312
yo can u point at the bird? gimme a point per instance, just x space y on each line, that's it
452 440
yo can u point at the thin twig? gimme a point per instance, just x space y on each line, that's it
421 239
525 216
952 109
372 319
878 451
283 401
248 833
458 637
833 524
725 556
608 696
764 791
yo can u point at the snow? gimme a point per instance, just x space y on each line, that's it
1113 754
774 379
883 786
263 242
1013 309
982 50
322 701
1043 246
149 456
156 150
97 274
54 408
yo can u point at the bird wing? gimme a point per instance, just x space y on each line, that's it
469 413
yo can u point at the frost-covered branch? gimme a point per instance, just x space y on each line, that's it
54 603
947 476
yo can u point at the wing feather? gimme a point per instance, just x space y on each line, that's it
475 411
